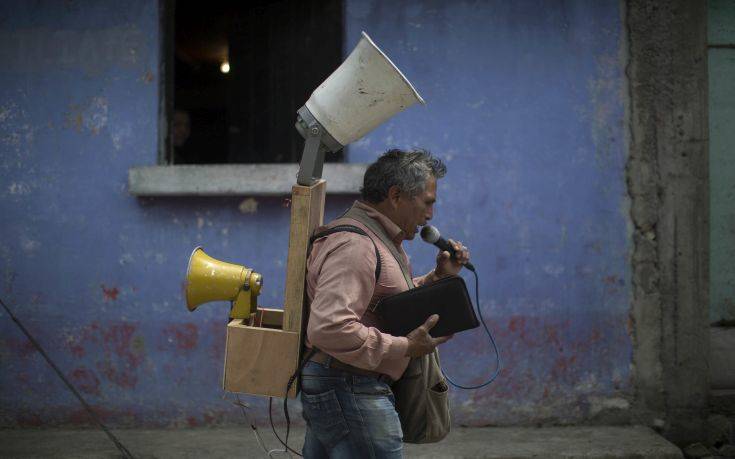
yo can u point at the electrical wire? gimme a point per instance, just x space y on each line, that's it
290 383
492 340
86 406
286 448
244 407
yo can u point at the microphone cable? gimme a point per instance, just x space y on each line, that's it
244 407
268 452
492 340
290 383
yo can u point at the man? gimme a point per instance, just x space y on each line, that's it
180 137
345 386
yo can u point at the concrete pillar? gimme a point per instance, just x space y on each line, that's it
668 185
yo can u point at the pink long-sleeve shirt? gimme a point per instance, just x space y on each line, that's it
341 286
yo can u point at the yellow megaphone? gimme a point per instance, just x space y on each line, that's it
209 279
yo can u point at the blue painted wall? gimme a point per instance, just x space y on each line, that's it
525 104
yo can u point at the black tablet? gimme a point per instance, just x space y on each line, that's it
447 297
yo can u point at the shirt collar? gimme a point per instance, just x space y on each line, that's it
395 233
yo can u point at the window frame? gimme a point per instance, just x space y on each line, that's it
167 179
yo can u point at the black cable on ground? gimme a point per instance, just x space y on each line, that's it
290 383
91 412
273 427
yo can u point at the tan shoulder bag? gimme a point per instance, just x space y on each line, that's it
422 394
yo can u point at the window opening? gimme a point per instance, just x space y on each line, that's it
242 70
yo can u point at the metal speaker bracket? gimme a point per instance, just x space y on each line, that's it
318 142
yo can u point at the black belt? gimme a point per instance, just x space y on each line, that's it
321 357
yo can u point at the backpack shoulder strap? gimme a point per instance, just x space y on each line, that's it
348 229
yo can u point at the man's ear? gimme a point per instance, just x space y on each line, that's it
394 193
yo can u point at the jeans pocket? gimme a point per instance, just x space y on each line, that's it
323 414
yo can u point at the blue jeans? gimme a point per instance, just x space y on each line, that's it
348 416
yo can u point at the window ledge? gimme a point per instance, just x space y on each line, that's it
237 179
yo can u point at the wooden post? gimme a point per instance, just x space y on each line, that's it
307 213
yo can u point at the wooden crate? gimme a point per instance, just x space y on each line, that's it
260 359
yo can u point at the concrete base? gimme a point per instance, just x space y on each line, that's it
507 442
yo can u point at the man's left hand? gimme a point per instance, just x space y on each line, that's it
446 265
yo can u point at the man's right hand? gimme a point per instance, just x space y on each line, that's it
420 342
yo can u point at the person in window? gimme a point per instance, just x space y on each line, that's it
345 386
181 131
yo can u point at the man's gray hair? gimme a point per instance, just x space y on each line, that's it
409 170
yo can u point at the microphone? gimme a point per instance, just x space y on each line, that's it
432 235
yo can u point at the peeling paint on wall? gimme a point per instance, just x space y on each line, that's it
19 188
90 116
248 206
180 338
29 245
16 133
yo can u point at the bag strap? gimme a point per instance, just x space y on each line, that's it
319 235
361 216
348 229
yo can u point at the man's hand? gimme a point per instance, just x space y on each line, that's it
420 342
446 265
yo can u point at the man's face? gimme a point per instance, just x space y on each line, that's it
415 211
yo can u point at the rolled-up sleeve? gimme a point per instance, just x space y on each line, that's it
343 287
